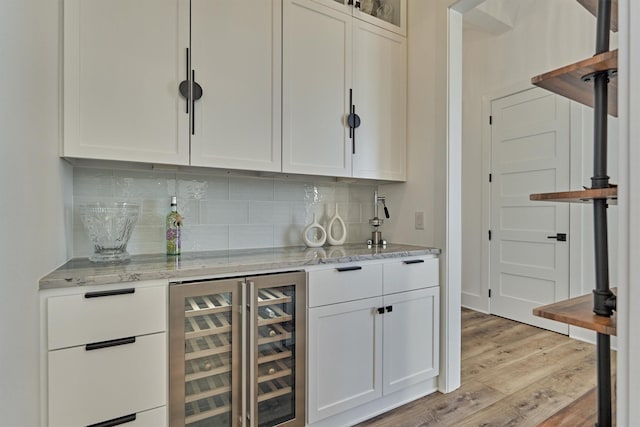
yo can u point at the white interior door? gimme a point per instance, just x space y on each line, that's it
529 154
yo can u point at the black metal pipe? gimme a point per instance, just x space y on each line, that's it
603 299
604 380
603 26
601 293
600 129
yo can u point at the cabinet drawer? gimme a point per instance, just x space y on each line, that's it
410 274
91 386
105 315
344 283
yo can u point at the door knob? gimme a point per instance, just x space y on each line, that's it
560 237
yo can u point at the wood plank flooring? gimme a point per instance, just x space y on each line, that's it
512 375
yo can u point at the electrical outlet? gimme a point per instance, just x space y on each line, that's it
419 220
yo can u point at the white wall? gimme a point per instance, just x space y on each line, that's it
547 34
35 196
420 191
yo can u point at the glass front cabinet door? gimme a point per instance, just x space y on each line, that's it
388 14
237 352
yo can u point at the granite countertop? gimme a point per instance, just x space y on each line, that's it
81 271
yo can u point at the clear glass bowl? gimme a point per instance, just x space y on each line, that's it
109 226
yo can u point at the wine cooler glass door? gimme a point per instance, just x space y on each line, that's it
277 340
205 338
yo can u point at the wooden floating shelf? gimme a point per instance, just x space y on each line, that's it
580 196
567 81
579 312
592 6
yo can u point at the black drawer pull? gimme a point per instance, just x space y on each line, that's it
414 261
349 268
380 310
115 421
389 308
110 293
110 343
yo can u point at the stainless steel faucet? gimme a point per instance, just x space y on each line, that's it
375 222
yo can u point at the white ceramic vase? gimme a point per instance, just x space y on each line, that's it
314 241
340 238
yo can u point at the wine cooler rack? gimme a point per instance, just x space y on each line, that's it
208 358
206 333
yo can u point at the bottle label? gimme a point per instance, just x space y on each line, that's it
173 234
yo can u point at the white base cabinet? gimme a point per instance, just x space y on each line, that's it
371 337
345 347
106 355
410 334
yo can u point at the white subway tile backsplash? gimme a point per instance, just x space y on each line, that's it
93 182
290 191
225 212
288 235
190 210
192 189
251 236
221 212
270 212
147 239
251 188
205 237
299 213
134 185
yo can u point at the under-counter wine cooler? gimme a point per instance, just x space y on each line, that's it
237 352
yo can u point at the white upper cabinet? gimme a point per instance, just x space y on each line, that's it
236 58
123 62
380 97
316 77
388 14
336 66
314 87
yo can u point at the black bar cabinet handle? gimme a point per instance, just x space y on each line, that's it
110 293
380 310
341 269
389 308
414 261
110 343
353 112
193 104
115 421
186 74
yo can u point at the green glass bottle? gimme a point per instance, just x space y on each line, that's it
174 223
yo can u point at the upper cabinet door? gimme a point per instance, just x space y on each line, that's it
388 14
123 62
316 74
380 97
236 58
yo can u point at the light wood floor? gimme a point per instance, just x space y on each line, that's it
512 375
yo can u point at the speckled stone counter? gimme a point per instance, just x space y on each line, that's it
81 271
